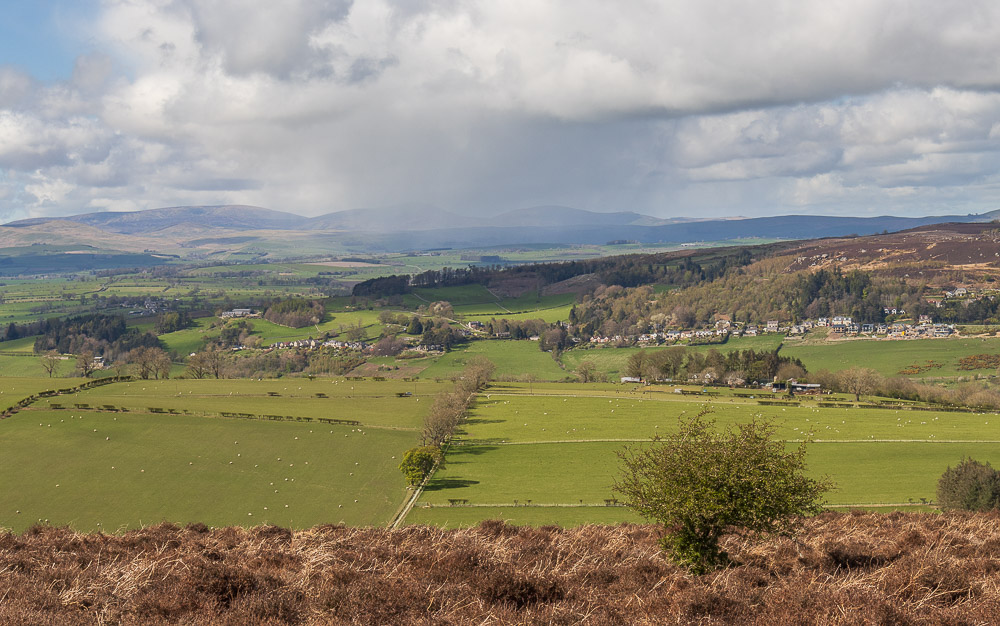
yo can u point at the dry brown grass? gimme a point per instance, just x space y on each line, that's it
843 569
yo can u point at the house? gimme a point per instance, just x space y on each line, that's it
925 320
822 322
960 292
630 379
772 326
237 313
842 320
868 328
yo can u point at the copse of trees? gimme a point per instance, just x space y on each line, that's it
679 362
295 312
149 362
98 334
172 321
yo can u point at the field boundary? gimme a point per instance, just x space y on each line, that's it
49 393
617 504
486 442
225 415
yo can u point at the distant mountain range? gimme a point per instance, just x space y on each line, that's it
409 227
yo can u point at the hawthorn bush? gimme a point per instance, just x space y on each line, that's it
969 486
700 484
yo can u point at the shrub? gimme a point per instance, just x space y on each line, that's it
418 462
969 486
700 484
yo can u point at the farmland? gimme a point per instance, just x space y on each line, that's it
889 357
553 448
512 358
137 453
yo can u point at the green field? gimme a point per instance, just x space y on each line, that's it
514 359
555 447
101 469
889 357
27 365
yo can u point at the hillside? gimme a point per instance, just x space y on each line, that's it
421 227
936 254
843 569
149 221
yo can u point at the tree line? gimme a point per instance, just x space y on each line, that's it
629 270
737 365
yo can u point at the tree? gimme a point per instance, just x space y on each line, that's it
415 327
50 360
859 381
587 372
389 346
969 486
150 362
418 463
355 332
700 484
85 363
787 371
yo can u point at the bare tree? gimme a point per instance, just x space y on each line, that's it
198 365
50 360
587 372
161 363
85 363
859 381
149 362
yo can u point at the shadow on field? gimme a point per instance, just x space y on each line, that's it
440 484
480 420
455 453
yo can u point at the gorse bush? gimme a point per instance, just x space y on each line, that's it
969 486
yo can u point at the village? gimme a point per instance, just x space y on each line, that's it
838 327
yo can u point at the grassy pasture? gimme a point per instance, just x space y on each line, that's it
889 357
512 358
13 390
28 365
97 470
107 471
373 403
627 415
559 449
188 340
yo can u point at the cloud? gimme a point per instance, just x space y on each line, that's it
680 108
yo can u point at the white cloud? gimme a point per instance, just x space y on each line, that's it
685 107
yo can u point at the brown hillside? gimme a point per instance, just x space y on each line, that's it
938 254
843 569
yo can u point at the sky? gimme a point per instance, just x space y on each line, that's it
680 108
